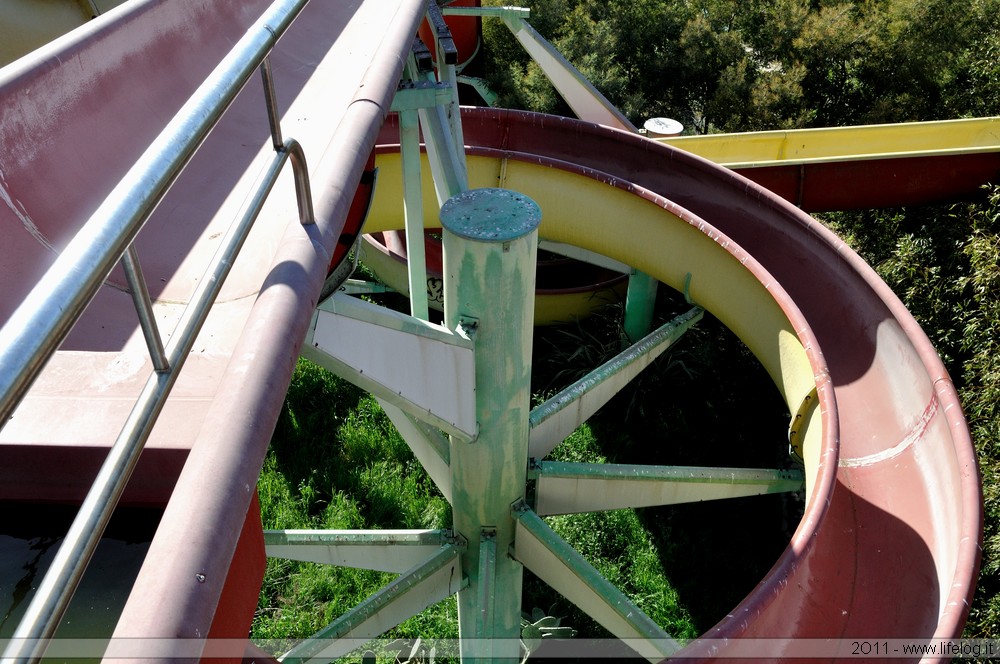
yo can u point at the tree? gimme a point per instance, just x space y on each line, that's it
729 65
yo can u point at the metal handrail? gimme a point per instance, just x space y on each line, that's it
34 332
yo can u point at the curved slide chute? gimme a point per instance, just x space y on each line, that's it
890 547
871 166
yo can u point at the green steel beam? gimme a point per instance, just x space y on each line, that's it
413 213
360 286
562 567
490 239
580 94
414 95
427 443
583 255
381 550
445 156
497 12
482 86
640 300
446 55
567 488
551 422
425 585
487 596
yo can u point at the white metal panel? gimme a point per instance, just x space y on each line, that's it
423 368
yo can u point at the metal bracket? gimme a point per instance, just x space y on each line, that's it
799 420
414 95
442 34
687 289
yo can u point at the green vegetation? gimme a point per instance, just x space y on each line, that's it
738 65
337 463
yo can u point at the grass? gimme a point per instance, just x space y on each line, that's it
336 462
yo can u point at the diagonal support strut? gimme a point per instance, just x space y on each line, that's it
552 421
561 566
568 488
425 585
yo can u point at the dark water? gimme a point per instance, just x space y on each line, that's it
30 535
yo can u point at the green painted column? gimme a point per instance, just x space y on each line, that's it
490 242
639 304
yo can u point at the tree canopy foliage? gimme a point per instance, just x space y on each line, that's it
742 65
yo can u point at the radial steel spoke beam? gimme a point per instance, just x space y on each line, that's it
427 443
423 586
381 550
583 255
568 488
422 368
585 100
552 421
561 566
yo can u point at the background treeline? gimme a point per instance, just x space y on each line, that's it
746 65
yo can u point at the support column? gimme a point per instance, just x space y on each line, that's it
490 243
413 212
639 304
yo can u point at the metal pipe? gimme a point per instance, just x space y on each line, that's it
61 580
303 191
271 102
34 331
144 307
490 242
413 213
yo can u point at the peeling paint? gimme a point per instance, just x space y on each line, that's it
22 214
